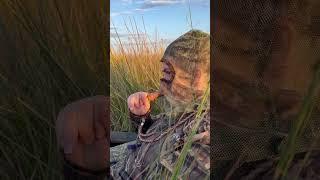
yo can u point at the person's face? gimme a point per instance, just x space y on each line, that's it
179 86
235 68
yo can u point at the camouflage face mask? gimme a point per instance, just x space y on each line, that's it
185 56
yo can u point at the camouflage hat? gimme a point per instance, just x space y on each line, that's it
190 49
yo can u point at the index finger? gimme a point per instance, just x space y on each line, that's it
70 132
102 107
153 96
101 118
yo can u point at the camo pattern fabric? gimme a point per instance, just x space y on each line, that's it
186 55
264 52
157 158
190 50
118 158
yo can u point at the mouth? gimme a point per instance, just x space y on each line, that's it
165 85
167 78
166 81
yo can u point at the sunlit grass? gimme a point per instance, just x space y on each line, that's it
134 66
187 146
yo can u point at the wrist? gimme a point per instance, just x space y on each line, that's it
137 119
140 116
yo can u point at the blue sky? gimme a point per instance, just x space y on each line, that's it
169 18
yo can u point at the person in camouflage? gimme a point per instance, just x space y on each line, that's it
257 51
262 70
161 138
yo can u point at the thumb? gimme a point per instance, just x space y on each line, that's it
153 96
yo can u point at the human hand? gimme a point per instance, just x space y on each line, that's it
82 131
139 102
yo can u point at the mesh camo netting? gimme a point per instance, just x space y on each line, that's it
265 55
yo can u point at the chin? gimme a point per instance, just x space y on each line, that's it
164 88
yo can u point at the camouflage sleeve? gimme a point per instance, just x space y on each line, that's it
136 121
118 158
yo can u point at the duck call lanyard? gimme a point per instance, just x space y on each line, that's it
150 138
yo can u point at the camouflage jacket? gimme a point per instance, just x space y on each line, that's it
233 146
155 153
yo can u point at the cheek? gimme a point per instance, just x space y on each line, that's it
178 91
183 82
174 91
201 83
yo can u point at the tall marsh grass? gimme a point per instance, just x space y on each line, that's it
134 66
52 53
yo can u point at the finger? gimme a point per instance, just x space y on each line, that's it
136 105
85 120
100 120
133 102
144 101
137 102
102 110
130 103
141 102
153 96
70 132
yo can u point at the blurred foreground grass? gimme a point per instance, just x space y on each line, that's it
52 53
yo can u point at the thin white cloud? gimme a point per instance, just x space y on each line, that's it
127 1
127 35
147 4
150 4
137 10
113 14
155 3
143 10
